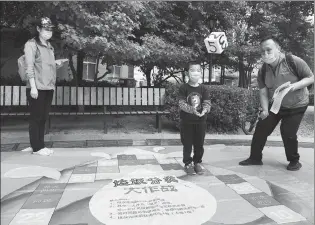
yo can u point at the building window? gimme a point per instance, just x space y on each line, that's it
117 70
88 71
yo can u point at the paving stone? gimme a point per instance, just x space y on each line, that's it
7 147
50 188
126 157
139 142
125 142
230 179
153 142
165 142
148 161
22 146
260 200
49 144
101 143
42 201
171 166
69 144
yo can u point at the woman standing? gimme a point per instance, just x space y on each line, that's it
41 80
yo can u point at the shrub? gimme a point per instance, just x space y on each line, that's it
228 105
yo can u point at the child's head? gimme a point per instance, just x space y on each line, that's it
194 72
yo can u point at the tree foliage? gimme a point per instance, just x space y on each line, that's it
168 35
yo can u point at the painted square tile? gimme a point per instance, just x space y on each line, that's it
230 179
128 162
107 169
282 214
148 161
244 188
84 170
81 178
126 157
50 188
107 162
33 216
172 166
260 200
42 201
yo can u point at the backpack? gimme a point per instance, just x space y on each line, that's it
22 65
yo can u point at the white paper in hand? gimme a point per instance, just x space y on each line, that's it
278 96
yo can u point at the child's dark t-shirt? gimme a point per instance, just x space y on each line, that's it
193 96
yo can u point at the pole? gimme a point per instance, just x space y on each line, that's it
210 68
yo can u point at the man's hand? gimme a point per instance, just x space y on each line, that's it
264 114
34 93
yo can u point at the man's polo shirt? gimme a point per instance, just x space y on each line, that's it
283 74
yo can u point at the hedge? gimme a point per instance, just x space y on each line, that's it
228 105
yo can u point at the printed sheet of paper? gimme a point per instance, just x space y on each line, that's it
278 96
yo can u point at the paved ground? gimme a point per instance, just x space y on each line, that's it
74 185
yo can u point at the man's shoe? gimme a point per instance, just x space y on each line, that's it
250 162
189 169
198 169
294 166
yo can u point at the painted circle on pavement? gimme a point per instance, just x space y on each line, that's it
155 200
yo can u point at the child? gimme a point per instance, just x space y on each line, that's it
194 104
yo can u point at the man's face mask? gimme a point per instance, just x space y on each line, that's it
270 51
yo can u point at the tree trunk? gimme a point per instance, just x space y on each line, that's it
222 75
210 68
183 76
74 72
242 73
147 71
81 56
203 72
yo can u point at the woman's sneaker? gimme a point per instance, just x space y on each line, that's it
29 149
44 152
189 169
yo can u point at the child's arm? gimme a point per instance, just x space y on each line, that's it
206 106
182 102
206 103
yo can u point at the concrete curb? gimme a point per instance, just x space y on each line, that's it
143 142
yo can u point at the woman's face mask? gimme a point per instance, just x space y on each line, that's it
46 34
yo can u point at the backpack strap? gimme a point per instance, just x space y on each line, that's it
263 72
292 66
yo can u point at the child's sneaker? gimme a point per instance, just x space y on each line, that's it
189 169
199 169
